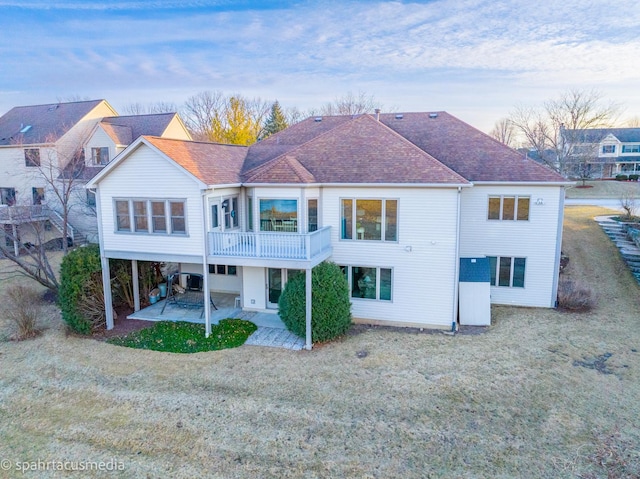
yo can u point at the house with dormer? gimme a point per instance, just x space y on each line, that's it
397 200
50 148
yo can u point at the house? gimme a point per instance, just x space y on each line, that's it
603 152
395 199
58 147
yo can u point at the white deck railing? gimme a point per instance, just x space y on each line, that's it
19 214
270 245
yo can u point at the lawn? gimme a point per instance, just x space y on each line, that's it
541 394
604 189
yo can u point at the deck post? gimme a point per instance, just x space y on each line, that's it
136 284
16 244
308 298
106 287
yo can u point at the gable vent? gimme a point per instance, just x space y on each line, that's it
318 119
399 116
433 115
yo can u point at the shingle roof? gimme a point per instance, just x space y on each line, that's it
594 135
211 163
350 150
48 122
124 129
468 151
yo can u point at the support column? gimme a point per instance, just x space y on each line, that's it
16 243
136 284
308 299
207 299
106 288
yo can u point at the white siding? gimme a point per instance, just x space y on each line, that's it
176 130
423 278
254 288
534 240
145 174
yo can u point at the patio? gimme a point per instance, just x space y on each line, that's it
271 330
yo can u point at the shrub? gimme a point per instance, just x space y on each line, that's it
80 282
330 309
634 177
574 296
23 308
622 177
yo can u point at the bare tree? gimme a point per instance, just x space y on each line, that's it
199 112
556 128
350 104
633 122
629 203
138 108
504 131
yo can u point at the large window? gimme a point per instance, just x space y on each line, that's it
32 157
279 215
507 271
367 219
509 208
150 216
100 156
369 282
631 148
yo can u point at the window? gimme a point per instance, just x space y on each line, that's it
374 220
32 157
140 216
631 148
229 270
507 271
215 219
509 208
158 217
7 196
100 156
91 198
312 215
37 195
230 207
608 149
279 215
369 282
150 216
123 221
250 213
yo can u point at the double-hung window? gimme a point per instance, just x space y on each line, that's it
507 271
155 216
369 219
32 157
231 218
100 156
509 208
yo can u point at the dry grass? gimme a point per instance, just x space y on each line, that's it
23 307
605 189
575 296
516 401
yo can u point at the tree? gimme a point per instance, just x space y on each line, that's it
504 131
138 108
351 104
213 116
555 129
633 122
60 170
276 121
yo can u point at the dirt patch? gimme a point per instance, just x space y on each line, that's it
598 363
122 327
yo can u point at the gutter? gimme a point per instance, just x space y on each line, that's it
456 282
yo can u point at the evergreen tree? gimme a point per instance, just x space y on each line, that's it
276 121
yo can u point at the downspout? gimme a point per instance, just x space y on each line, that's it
556 269
205 268
456 279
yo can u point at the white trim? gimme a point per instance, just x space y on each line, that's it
144 256
359 185
525 183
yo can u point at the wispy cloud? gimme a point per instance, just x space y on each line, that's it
313 52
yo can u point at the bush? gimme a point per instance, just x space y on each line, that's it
634 177
23 308
574 296
622 177
80 296
330 310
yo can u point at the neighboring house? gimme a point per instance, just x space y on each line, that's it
396 200
46 145
603 152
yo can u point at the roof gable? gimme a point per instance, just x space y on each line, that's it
137 125
39 124
355 150
466 150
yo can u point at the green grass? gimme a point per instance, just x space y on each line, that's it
182 337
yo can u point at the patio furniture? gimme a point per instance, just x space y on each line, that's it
191 297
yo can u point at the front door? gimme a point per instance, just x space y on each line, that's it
274 287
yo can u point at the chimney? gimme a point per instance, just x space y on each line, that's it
377 110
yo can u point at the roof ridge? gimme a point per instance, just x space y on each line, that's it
291 161
193 141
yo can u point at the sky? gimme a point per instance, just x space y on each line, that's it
476 59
